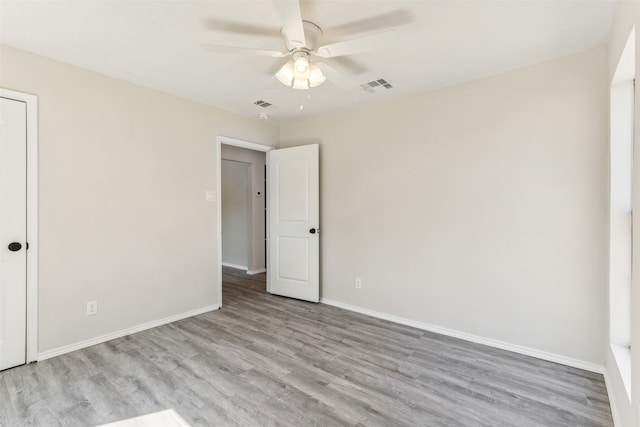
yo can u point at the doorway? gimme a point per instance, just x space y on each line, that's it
235 201
241 251
293 208
19 228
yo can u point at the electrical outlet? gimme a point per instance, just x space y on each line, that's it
358 283
92 308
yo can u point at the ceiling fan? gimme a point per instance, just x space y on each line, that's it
302 42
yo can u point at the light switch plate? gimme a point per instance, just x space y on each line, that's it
92 308
210 196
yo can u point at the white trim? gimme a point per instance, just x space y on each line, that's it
32 218
580 364
243 144
258 271
239 267
615 415
236 143
123 332
622 359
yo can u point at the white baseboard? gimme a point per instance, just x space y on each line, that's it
121 333
258 271
551 357
239 267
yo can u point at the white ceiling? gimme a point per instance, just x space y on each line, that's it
157 44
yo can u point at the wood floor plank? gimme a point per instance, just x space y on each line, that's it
264 360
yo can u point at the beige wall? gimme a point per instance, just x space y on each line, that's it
123 171
257 161
479 208
627 413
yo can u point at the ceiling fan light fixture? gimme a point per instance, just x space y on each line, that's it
301 76
316 77
302 64
285 75
301 69
300 73
301 84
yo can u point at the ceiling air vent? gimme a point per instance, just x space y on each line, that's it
375 86
263 104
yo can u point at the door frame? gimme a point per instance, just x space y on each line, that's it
32 218
236 143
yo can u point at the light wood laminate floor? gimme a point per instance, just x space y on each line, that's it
264 360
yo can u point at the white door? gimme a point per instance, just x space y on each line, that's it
293 211
13 232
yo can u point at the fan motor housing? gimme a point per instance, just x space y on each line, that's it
312 34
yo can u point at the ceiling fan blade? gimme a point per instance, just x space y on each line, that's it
337 77
348 64
291 18
359 45
392 19
237 27
248 50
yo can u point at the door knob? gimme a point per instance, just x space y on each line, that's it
14 246
312 231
